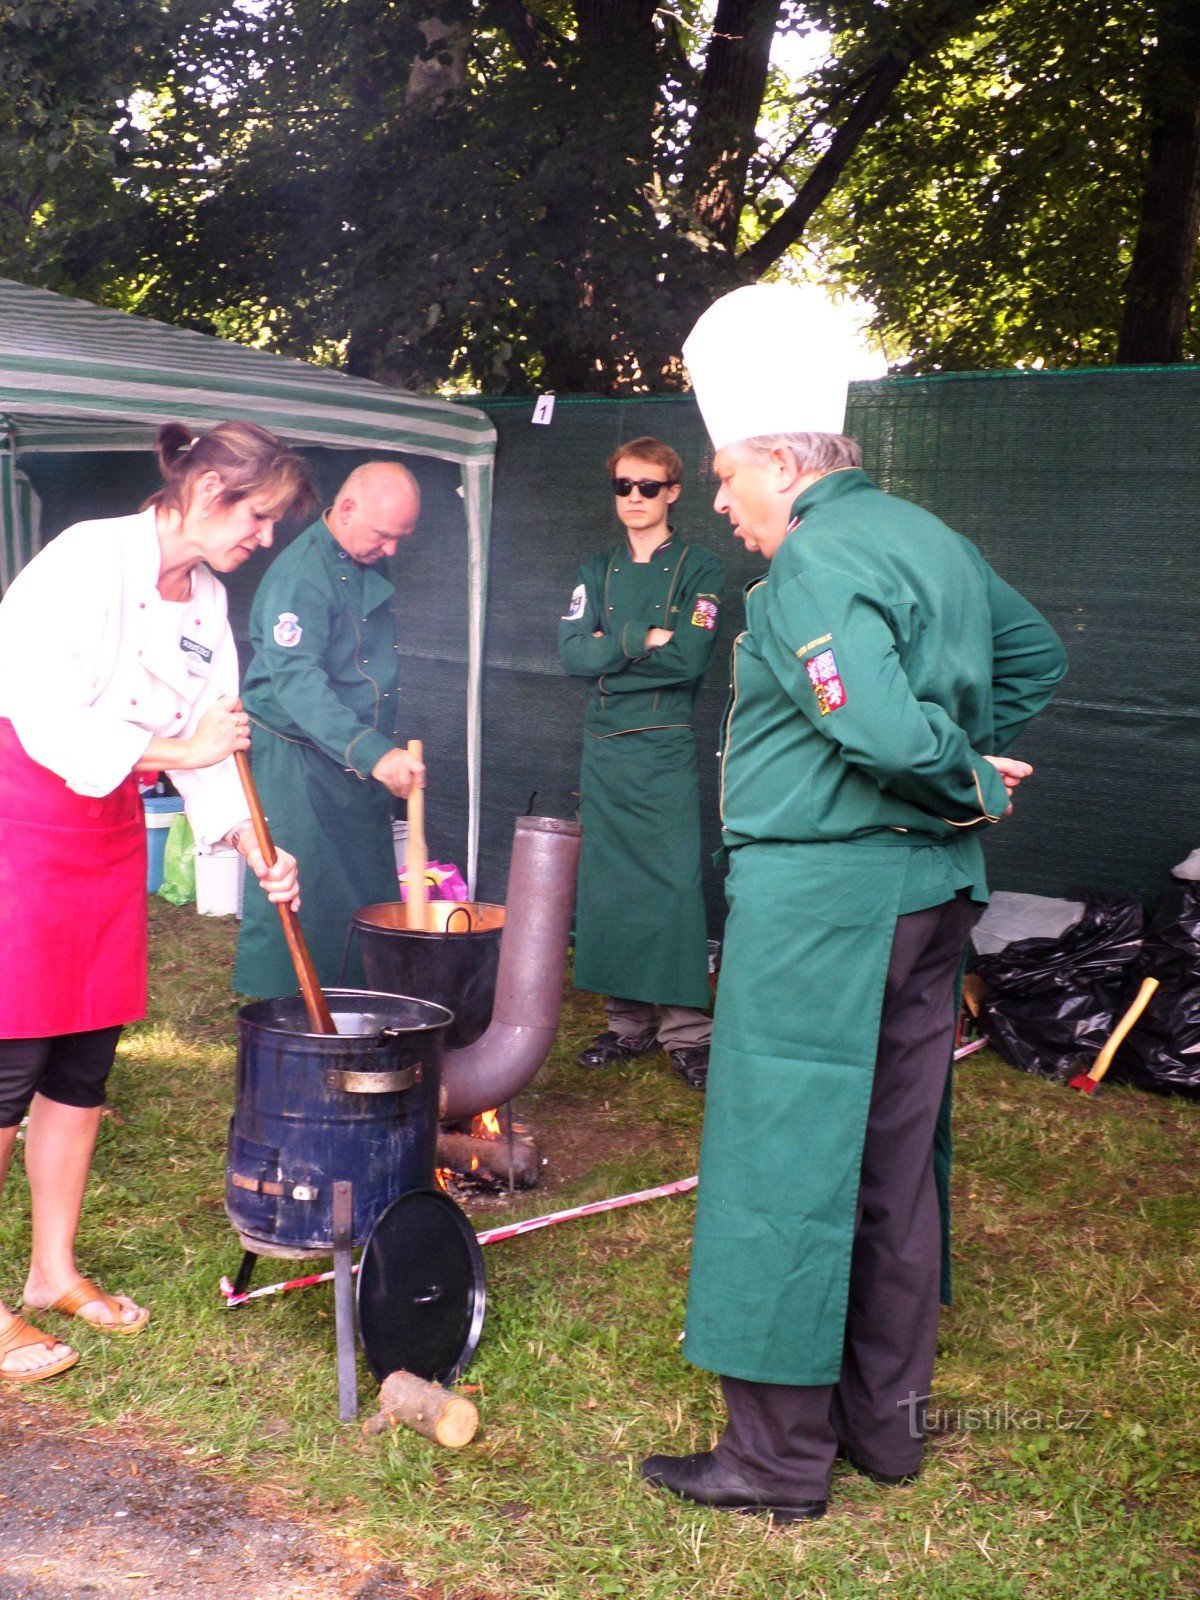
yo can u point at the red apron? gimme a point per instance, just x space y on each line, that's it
72 901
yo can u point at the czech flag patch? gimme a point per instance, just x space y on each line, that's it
826 681
705 613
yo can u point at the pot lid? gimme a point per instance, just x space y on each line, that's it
421 1289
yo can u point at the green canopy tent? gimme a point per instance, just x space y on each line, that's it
80 378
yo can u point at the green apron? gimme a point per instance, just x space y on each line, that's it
640 926
789 1087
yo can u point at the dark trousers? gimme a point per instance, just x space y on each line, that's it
785 1435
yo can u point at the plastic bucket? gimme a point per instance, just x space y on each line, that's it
454 962
314 1108
159 809
219 879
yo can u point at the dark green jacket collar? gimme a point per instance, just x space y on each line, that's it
833 486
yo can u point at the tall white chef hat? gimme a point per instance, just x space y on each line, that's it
770 358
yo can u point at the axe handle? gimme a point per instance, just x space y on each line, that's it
1104 1060
319 1015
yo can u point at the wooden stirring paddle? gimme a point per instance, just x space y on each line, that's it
319 1015
416 858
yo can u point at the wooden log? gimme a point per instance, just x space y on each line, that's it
435 1413
487 1159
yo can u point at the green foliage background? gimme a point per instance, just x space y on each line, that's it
268 171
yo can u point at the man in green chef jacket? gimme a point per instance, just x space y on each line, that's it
883 671
640 628
321 691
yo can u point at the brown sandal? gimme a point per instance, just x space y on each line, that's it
19 1335
84 1292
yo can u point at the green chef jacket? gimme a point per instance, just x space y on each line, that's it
632 688
323 633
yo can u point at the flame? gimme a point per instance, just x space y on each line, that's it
443 1176
474 1163
489 1124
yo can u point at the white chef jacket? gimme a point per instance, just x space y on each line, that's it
94 662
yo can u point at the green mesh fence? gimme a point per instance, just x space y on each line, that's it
1081 488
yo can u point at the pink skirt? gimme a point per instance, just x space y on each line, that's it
72 901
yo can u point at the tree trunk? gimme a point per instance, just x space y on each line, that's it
1158 289
918 37
731 92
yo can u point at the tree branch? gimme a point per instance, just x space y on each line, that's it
917 40
530 36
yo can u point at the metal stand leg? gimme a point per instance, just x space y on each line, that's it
343 1299
245 1272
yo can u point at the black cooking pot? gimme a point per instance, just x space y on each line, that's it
314 1108
453 961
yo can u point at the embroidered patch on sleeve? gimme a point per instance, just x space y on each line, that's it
706 611
287 631
578 601
826 681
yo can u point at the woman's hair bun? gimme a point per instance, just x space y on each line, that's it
172 441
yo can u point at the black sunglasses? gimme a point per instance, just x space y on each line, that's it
648 487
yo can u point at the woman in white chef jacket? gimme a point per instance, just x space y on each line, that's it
116 658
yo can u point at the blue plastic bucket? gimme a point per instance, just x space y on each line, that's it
159 808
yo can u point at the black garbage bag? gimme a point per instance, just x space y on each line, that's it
1163 1050
1052 1002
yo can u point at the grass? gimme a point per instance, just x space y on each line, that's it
1066 1461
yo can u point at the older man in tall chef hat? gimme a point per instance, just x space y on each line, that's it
883 671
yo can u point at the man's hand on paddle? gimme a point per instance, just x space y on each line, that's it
399 773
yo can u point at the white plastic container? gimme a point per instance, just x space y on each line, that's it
220 880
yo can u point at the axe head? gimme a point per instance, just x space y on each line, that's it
1084 1083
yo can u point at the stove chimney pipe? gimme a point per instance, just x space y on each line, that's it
533 959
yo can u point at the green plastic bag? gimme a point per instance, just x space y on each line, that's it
179 863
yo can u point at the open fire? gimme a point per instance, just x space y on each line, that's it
486 1153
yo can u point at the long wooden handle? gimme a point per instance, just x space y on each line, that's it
1104 1060
319 1014
416 858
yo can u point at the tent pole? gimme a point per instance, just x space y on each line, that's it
477 494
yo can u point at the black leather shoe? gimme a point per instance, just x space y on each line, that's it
691 1063
888 1480
705 1481
609 1049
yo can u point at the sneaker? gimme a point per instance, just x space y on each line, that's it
610 1049
691 1063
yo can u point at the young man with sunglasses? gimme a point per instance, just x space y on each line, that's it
640 629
